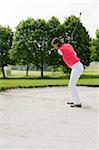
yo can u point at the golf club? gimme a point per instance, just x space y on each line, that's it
71 37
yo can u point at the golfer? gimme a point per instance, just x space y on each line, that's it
71 59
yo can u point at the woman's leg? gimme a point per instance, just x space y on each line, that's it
76 72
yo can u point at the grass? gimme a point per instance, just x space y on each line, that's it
18 79
31 83
92 70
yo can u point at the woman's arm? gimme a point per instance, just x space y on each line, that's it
60 52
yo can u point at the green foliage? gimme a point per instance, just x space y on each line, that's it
23 43
53 25
54 30
44 33
32 42
97 33
80 40
95 47
5 44
41 44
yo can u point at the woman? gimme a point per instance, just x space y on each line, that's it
71 59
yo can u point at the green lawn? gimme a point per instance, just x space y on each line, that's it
18 79
30 83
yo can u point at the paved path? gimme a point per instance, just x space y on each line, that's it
40 119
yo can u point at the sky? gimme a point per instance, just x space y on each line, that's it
14 11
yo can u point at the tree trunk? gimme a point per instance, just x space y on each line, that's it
42 68
3 72
27 71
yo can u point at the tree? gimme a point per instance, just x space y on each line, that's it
95 47
32 42
54 30
6 35
23 43
81 39
41 43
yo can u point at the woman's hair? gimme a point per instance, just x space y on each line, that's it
57 41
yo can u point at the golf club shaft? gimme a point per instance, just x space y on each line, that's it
71 37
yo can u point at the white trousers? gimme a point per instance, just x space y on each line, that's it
77 70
